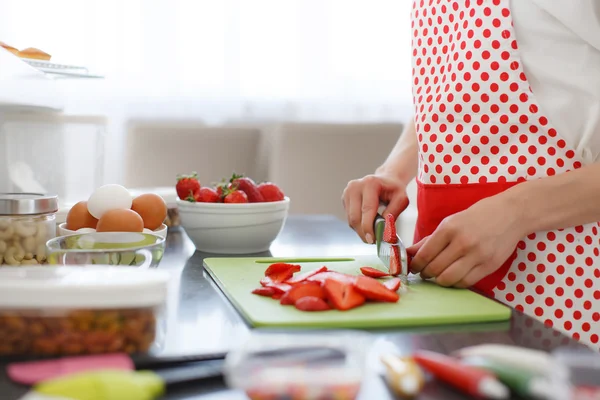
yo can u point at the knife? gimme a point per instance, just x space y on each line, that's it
384 249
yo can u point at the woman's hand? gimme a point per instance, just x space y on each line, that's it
362 197
468 246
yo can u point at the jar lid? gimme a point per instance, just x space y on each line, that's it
81 287
27 203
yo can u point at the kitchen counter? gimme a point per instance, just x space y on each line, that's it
202 320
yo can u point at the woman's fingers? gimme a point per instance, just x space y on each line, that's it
456 272
430 249
448 256
472 277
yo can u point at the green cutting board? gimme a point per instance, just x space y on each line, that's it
424 304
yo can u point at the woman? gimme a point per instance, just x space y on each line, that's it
504 145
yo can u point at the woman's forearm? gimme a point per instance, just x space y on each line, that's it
402 161
560 201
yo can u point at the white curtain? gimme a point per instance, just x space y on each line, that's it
226 59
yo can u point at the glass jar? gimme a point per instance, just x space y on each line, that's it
27 222
73 310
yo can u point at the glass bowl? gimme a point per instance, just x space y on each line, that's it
144 250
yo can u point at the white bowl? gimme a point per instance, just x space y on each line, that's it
63 231
233 228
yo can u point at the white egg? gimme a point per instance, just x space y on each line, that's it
85 230
109 197
146 230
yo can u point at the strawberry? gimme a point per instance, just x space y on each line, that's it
343 296
305 289
264 291
187 185
278 286
310 303
248 186
389 233
323 276
373 273
270 192
207 195
305 275
235 196
392 284
374 290
395 264
280 267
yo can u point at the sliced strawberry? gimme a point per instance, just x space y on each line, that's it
278 286
277 295
375 290
265 291
305 275
343 296
373 273
395 263
310 303
305 289
323 276
281 269
389 233
393 284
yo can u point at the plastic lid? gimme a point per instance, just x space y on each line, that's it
81 287
27 203
168 193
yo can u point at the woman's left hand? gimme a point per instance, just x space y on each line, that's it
468 246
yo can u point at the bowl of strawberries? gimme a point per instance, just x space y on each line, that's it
234 216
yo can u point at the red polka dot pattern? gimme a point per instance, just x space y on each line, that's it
468 87
479 122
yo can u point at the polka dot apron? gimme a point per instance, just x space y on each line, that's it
481 131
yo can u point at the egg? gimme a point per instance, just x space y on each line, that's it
79 217
120 221
152 208
109 197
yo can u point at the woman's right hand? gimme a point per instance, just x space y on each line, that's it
362 198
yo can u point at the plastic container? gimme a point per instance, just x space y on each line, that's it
52 153
169 195
73 310
27 222
299 366
576 374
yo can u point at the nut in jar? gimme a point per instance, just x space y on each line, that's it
27 222
73 310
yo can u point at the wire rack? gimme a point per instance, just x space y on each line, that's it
61 70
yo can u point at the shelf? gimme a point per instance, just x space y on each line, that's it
61 70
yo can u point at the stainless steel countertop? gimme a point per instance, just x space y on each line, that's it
200 319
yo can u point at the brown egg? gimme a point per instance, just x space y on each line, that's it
120 221
152 208
79 217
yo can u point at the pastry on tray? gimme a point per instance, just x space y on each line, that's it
10 48
32 52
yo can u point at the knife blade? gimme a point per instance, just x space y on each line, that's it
384 249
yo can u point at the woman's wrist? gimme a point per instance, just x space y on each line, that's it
398 171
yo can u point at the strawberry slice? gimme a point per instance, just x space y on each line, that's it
265 291
278 286
395 264
310 303
375 290
306 289
393 284
305 275
373 273
277 295
337 276
281 272
389 233
342 295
